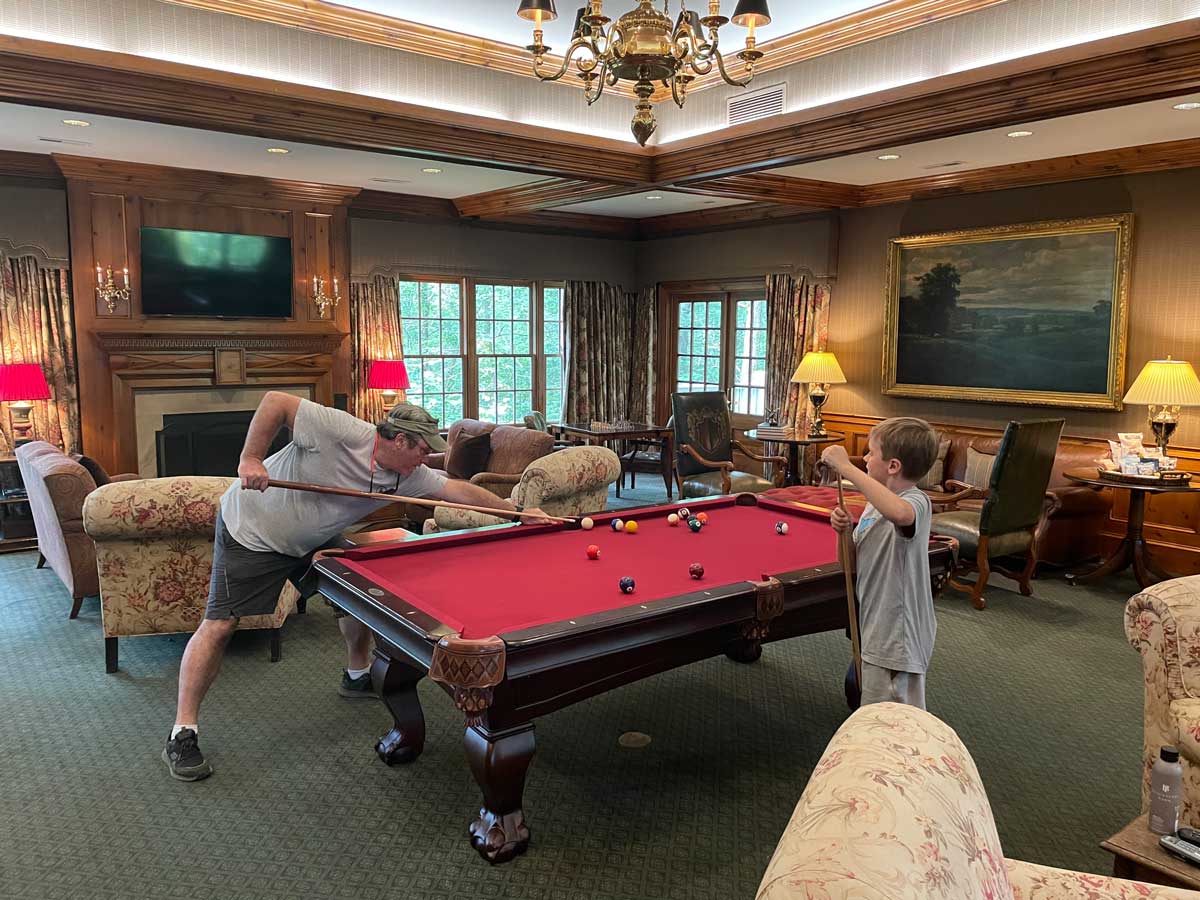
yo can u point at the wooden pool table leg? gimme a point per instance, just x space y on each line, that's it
397 684
499 763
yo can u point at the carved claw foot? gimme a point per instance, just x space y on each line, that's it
394 749
499 838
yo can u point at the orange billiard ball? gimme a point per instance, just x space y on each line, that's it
703 517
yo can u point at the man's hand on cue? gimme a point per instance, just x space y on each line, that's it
253 475
533 517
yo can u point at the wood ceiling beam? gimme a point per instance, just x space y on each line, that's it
537 195
742 215
782 189
37 167
578 224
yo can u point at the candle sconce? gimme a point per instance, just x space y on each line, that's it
325 302
108 292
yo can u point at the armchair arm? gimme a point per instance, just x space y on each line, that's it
781 462
436 461
126 476
1076 500
959 490
724 466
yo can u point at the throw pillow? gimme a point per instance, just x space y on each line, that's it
469 455
979 469
936 475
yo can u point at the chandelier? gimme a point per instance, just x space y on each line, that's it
642 47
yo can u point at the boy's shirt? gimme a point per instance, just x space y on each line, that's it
897 625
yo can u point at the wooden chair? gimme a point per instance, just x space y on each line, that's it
1008 522
704 448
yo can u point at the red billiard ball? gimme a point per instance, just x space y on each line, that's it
593 552
696 570
703 517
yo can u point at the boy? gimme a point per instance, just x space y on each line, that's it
896 619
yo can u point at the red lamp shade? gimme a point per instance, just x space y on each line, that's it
23 381
388 375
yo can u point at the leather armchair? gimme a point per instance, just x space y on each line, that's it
1007 522
704 446
513 448
895 810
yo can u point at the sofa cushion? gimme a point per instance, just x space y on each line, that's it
468 456
979 469
937 472
963 525
708 484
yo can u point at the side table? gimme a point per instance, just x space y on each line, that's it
797 463
16 519
1137 856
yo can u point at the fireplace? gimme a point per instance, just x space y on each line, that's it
206 443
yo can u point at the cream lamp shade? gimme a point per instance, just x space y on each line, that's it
822 368
1163 382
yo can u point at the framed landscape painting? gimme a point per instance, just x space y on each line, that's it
1030 314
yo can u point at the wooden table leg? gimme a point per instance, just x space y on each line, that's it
397 685
796 463
1132 551
667 451
499 763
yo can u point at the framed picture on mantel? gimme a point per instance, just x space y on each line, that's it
1030 314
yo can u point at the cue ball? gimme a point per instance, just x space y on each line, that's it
587 524
695 524
781 527
672 520
696 570
626 585
593 552
703 517
616 524
631 527
685 514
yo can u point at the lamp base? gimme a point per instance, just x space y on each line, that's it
817 397
22 425
1162 433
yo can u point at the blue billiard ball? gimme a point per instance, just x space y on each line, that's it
695 524
626 585
616 525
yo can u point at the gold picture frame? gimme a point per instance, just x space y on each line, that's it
991 347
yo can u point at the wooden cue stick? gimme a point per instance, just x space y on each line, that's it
417 501
846 558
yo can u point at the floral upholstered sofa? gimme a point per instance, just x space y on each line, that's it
895 810
154 543
1163 624
570 482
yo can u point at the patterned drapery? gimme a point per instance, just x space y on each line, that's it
597 322
644 324
36 327
797 321
374 334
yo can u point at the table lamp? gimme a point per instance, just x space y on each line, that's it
21 383
818 370
1165 385
389 376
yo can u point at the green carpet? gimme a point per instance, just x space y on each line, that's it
1044 691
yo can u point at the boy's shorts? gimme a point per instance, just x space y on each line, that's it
880 685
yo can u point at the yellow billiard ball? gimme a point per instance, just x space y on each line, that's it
631 527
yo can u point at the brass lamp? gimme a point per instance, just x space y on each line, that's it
818 370
1165 385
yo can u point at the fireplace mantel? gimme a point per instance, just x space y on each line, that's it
175 341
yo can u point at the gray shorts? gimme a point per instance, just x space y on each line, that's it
880 685
247 582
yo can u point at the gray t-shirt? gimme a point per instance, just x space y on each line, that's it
896 619
328 447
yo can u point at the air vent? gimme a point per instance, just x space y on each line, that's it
946 165
52 140
390 180
758 104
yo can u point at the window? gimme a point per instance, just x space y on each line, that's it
552 351
699 345
504 351
431 322
750 357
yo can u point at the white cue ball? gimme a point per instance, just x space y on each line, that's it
587 524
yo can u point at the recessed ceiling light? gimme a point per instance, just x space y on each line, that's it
432 170
888 157
1020 134
78 123
654 196
278 150
1186 106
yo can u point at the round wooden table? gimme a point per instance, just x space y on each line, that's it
797 470
1133 549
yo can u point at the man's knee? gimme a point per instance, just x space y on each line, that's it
217 629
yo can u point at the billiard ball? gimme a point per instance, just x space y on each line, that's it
781 527
631 527
696 570
672 520
626 585
586 524
616 525
703 517
695 524
593 552
685 514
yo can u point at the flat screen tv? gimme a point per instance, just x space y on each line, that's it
204 273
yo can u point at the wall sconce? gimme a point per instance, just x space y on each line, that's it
324 302
108 292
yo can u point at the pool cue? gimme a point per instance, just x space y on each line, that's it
416 501
846 559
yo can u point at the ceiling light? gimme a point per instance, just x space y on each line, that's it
888 157
1020 134
278 150
78 123
1186 106
432 170
654 196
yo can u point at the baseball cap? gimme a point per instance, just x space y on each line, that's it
413 421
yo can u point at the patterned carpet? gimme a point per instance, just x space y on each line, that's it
1044 691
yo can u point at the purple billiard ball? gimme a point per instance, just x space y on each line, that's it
626 585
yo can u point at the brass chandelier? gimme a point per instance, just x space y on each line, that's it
642 47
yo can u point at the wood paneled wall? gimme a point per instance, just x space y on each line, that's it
109 202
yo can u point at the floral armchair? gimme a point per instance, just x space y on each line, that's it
1163 624
154 542
570 482
895 810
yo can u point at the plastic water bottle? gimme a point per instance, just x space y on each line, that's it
1166 790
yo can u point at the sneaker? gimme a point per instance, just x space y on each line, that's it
183 757
356 687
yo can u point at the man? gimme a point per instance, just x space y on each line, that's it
266 537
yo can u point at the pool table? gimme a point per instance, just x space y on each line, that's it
515 621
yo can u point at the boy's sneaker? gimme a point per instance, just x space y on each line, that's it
356 687
183 757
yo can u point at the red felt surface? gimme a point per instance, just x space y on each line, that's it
486 587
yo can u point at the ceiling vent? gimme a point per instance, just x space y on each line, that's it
946 165
54 140
760 104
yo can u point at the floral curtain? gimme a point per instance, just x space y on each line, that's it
374 334
597 322
36 327
644 325
797 321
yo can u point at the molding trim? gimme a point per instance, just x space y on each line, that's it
763 187
175 341
721 218
37 251
536 196
33 166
